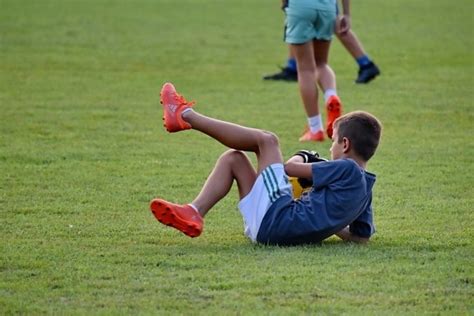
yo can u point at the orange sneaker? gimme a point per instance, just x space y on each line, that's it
173 106
312 137
334 110
182 217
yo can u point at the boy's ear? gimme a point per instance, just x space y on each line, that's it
346 145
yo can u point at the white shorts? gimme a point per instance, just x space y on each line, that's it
271 184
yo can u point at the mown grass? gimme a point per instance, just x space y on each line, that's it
82 151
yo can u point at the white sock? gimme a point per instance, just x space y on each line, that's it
315 123
185 110
194 207
329 93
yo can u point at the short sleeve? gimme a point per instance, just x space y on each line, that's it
327 172
363 226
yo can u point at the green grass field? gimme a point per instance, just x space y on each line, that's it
83 151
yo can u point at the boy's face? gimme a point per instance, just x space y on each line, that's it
337 149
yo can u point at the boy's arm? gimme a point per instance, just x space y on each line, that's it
295 167
346 7
346 235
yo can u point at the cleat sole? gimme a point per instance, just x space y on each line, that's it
164 214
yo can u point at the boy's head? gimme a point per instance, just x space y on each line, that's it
359 131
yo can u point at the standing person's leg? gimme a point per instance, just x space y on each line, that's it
307 83
324 29
307 76
351 43
326 76
327 80
299 34
368 70
288 72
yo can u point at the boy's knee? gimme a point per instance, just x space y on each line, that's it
268 139
232 156
322 66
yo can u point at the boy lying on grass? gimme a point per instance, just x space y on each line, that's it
338 203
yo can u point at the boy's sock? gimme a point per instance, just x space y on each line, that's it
291 64
194 207
329 93
363 61
185 110
315 123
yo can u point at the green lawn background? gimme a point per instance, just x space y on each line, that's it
83 150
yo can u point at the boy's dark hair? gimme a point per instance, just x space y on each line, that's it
362 129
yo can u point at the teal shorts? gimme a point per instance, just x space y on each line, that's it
304 23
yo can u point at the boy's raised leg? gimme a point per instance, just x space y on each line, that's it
178 115
264 144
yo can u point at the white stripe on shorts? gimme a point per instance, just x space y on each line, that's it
270 185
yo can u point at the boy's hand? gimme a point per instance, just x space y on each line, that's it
308 157
346 235
305 183
343 24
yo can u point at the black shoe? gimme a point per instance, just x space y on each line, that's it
286 74
367 73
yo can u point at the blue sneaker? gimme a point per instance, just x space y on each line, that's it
367 73
286 74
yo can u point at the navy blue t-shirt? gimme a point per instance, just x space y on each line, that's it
341 195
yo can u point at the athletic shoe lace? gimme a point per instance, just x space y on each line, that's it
182 101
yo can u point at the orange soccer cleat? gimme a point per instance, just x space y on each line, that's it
182 217
334 110
173 106
312 137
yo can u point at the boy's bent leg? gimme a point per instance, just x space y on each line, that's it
230 165
188 218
